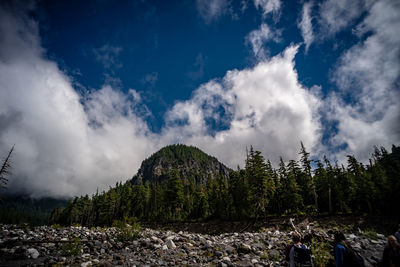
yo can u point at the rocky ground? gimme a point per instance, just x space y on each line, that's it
80 246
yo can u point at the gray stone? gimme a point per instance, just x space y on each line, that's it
229 249
33 253
244 248
218 254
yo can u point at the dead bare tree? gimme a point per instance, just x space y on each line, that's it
5 169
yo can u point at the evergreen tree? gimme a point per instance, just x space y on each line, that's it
256 174
174 195
291 197
238 190
306 182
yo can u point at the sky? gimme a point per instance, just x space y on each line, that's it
90 89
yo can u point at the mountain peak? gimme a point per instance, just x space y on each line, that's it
189 162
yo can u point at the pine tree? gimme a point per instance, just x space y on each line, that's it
174 195
257 176
291 197
238 189
306 182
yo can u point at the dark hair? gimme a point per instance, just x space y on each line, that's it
296 237
339 236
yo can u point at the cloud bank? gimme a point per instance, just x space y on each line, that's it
368 73
63 147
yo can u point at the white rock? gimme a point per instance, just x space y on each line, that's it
254 261
86 264
33 253
169 238
208 243
352 236
164 247
170 244
226 259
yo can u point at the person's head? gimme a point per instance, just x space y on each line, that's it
339 237
392 241
296 238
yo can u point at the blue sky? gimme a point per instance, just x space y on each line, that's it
89 89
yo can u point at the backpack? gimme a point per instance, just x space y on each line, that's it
287 251
352 258
302 256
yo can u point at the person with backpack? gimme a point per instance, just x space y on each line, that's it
391 253
300 254
397 234
345 256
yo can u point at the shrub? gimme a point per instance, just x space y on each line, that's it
371 234
321 250
56 226
128 229
72 248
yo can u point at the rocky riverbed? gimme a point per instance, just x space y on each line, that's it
81 246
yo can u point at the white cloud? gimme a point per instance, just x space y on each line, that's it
305 25
268 6
368 73
264 106
335 15
63 148
258 38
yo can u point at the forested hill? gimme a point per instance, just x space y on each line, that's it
187 161
256 191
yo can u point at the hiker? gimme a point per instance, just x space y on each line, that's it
340 249
391 253
300 254
345 256
397 234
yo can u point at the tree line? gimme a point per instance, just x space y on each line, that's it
256 191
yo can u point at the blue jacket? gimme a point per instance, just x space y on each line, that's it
340 251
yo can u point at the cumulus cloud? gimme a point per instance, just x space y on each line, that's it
258 38
305 25
368 73
264 106
63 148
